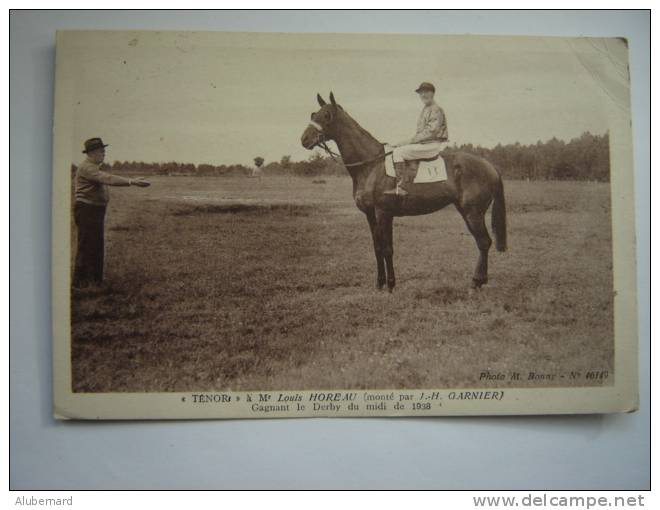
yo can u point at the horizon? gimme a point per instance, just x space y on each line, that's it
318 151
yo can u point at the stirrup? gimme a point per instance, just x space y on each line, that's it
398 190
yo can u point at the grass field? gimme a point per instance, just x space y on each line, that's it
235 283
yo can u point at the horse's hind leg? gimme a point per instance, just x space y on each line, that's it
475 220
389 253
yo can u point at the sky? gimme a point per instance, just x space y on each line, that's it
222 98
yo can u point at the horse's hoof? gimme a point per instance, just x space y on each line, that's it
477 283
474 291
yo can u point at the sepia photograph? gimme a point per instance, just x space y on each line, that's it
270 225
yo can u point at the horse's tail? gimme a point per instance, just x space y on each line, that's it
498 215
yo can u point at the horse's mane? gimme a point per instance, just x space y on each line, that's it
358 127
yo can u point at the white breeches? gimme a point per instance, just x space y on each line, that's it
417 151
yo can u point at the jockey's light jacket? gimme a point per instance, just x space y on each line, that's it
431 126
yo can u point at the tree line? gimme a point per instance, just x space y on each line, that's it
585 158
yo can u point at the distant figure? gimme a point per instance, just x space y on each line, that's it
428 141
257 171
92 197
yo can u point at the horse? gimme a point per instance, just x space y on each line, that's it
472 185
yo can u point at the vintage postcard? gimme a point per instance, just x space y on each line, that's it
252 225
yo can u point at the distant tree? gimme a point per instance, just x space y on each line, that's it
205 169
285 162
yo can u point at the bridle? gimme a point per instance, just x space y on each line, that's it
323 143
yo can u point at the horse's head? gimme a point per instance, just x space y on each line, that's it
321 125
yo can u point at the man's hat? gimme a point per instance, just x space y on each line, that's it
425 86
92 144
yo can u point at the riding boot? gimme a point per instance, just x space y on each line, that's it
406 181
401 172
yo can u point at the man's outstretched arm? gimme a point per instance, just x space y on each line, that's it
95 174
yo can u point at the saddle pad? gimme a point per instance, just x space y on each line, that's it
428 171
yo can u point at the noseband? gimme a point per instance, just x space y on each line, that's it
322 142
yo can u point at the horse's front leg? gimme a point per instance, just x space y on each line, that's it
384 223
378 251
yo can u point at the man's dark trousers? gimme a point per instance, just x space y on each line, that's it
89 256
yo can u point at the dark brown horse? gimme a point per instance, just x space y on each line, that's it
472 184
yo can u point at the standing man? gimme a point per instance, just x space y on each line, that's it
257 171
428 141
92 197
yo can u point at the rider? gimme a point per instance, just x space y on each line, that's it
428 141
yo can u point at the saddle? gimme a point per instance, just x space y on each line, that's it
425 170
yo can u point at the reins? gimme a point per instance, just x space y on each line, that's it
324 145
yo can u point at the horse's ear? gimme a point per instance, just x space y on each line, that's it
332 99
320 100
